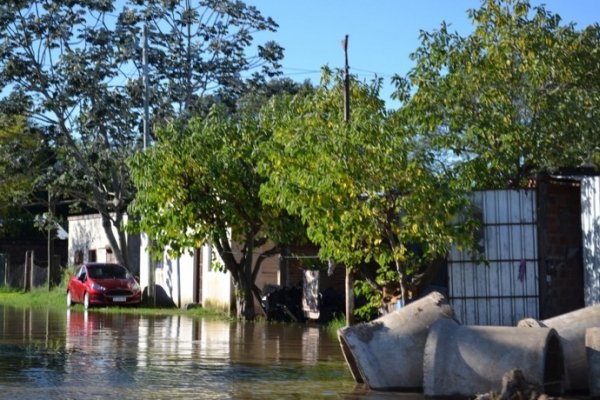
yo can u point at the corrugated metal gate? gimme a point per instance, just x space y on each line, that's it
507 290
590 225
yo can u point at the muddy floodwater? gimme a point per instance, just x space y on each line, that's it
47 354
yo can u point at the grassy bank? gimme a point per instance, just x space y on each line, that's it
39 297
56 298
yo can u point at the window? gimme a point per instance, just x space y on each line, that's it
110 256
78 257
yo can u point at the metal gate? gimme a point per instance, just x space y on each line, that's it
590 225
506 290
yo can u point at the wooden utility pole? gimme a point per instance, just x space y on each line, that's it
50 244
151 294
346 81
349 281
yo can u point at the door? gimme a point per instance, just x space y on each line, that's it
77 285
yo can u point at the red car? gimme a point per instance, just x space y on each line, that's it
98 284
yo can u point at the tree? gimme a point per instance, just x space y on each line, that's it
198 184
367 193
77 70
518 96
23 158
19 160
196 50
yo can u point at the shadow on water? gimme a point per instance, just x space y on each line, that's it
92 355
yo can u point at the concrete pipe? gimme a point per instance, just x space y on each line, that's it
571 328
387 353
463 361
592 346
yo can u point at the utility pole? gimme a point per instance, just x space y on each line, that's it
349 281
151 278
346 81
50 238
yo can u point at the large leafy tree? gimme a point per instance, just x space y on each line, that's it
518 96
198 184
19 160
76 67
370 197
25 156
196 49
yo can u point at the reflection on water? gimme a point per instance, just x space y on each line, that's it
76 354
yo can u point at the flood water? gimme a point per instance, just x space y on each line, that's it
48 354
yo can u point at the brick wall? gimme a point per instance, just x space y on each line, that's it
560 246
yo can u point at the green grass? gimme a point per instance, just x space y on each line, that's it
56 298
339 321
39 297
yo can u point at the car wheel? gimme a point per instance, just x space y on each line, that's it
69 299
86 301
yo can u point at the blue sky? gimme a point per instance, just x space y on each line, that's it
382 33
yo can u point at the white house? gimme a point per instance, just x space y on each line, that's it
88 242
188 279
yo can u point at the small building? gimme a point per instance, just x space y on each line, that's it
88 243
543 249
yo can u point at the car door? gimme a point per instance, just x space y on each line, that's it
77 287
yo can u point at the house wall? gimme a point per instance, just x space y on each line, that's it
217 290
173 275
197 278
86 234
590 224
87 237
269 273
560 246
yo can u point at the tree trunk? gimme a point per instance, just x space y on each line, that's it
114 244
241 274
402 282
244 298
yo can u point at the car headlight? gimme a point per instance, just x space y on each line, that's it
135 286
98 287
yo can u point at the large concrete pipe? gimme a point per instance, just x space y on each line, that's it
571 328
463 361
592 346
387 353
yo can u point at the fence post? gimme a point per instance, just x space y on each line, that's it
26 271
32 270
7 266
3 269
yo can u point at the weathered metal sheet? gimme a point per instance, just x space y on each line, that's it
590 225
505 290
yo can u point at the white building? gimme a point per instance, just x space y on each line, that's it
88 242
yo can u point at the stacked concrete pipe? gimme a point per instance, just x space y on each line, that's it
387 353
571 328
463 361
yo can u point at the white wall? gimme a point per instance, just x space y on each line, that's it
178 277
86 233
217 290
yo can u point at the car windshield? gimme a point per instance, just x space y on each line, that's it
107 271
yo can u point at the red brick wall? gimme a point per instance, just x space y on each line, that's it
560 246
